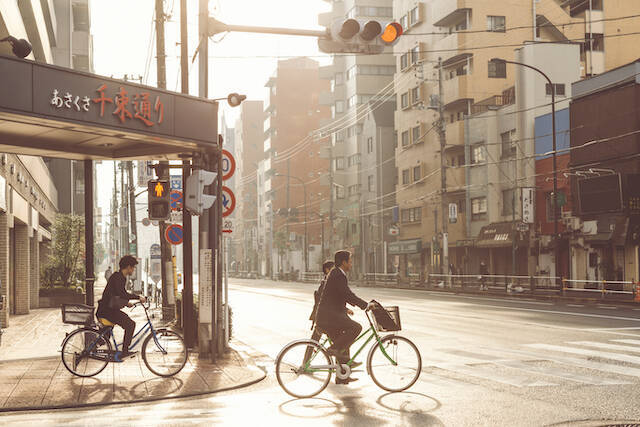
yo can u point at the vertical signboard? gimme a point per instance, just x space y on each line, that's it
205 286
527 205
3 194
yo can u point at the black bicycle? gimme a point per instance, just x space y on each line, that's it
87 350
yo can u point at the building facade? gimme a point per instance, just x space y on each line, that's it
295 167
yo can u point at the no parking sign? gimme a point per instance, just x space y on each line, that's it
174 234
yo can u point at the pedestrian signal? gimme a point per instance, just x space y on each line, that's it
158 199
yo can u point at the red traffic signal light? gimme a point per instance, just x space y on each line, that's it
392 31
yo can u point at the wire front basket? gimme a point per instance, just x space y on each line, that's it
77 314
387 319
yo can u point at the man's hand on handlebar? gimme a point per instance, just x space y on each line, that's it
371 305
143 299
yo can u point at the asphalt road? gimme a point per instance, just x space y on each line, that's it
486 361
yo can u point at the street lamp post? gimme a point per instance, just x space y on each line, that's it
306 243
555 169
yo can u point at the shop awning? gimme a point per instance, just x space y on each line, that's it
58 112
609 230
495 235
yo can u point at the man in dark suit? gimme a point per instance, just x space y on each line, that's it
331 316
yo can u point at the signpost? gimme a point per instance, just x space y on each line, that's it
174 234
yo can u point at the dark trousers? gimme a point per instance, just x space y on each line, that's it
343 332
120 318
316 335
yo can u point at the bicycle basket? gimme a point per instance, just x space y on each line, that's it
77 314
387 319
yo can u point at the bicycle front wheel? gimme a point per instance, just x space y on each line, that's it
85 352
303 368
394 364
165 355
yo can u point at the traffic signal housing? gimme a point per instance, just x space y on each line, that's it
360 36
195 199
158 199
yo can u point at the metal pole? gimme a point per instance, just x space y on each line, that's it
216 27
443 172
88 232
306 241
132 208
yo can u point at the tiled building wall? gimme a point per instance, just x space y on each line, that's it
34 299
4 269
23 271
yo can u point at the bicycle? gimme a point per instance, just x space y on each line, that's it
87 350
304 367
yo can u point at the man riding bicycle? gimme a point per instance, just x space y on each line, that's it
332 314
116 297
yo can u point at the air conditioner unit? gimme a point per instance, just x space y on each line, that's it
575 224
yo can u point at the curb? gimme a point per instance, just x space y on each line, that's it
250 366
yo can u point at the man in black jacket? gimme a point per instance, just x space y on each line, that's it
332 315
115 297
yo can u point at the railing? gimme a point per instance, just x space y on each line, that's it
380 278
493 282
603 287
311 276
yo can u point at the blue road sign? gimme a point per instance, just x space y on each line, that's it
174 234
176 182
175 199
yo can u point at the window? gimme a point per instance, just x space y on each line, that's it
411 215
414 16
508 144
339 135
354 130
339 163
405 139
339 79
354 159
81 62
549 206
508 201
354 190
405 177
370 183
461 160
369 145
496 23
478 207
415 134
339 192
403 21
497 69
351 72
416 174
339 107
81 18
559 88
404 100
415 95
352 101
404 60
415 54
478 154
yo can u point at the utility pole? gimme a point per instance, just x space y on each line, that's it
163 169
125 209
132 215
114 221
444 266
330 197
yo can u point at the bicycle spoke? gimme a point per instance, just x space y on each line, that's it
165 354
303 369
395 363
82 353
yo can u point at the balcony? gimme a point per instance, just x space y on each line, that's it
455 180
267 145
451 12
455 133
495 102
455 89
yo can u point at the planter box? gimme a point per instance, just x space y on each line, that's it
58 300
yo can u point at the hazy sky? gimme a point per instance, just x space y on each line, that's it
124 43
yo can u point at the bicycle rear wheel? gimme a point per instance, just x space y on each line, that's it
394 364
165 355
85 352
299 377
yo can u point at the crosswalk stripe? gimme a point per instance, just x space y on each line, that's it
489 373
585 352
572 361
629 341
607 346
560 373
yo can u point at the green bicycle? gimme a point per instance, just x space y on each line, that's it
304 367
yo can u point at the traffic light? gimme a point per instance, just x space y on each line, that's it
195 199
360 36
158 200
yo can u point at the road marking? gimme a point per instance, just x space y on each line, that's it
635 342
560 373
575 305
494 299
490 373
585 352
614 329
608 307
607 346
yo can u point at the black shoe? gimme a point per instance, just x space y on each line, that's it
346 380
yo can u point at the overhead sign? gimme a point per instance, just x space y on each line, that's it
174 234
176 199
228 165
228 201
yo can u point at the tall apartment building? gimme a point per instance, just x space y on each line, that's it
465 35
355 82
249 150
295 168
28 195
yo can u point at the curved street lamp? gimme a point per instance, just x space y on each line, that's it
555 171
20 47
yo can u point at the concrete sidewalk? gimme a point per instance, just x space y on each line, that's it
46 384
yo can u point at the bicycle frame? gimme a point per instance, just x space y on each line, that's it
370 332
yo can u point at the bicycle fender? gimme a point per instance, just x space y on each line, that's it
307 340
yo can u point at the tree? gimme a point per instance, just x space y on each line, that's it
66 260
